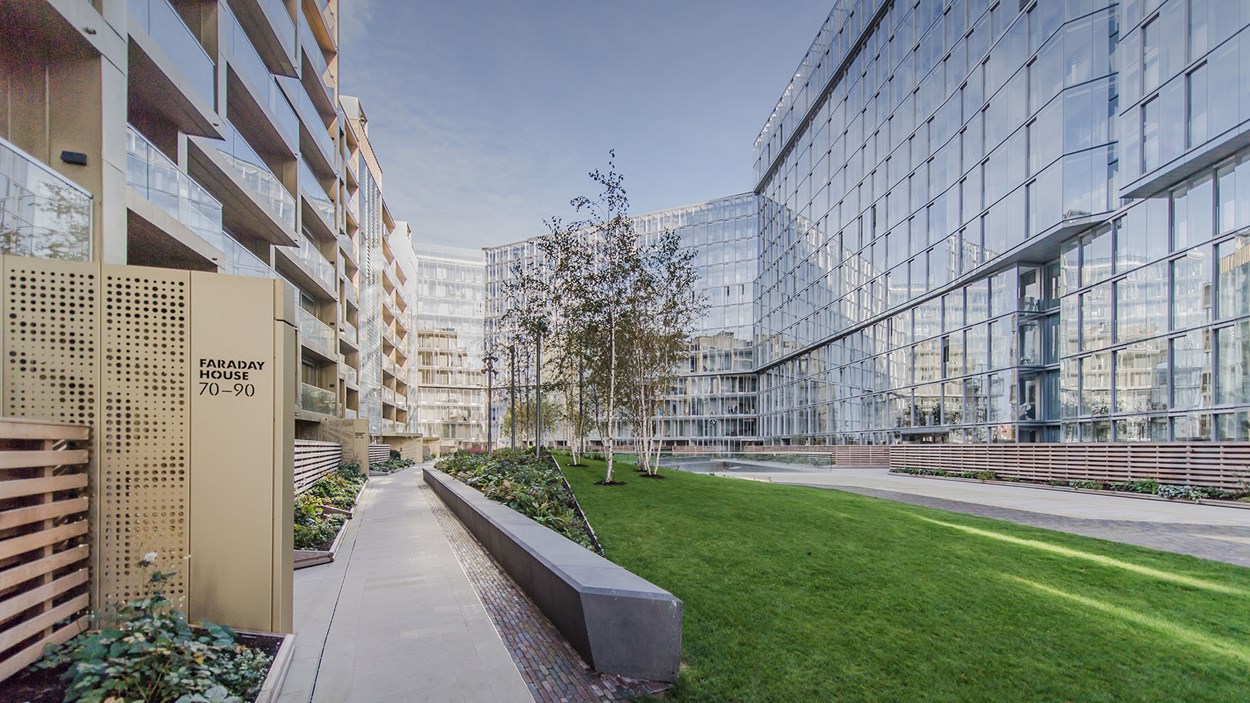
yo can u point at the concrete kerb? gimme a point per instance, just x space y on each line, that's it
619 622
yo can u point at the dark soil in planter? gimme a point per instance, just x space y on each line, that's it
609 483
31 685
34 686
647 475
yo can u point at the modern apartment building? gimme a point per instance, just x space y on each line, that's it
387 263
450 383
713 401
207 136
1000 221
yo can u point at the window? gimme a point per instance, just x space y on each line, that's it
1233 375
1233 277
1191 369
1191 297
1150 135
1196 107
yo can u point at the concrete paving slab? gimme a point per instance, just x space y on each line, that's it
394 618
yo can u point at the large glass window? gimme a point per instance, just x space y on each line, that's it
1096 384
1191 364
1191 298
1150 135
1141 303
1233 271
1096 317
1141 378
1233 376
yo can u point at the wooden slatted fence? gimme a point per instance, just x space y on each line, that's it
314 460
44 542
379 453
1212 464
861 455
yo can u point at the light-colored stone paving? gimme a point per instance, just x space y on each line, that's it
1205 531
394 618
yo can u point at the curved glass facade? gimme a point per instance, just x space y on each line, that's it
1008 222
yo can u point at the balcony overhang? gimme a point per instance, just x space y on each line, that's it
287 263
255 16
1181 168
157 88
245 109
154 238
311 218
242 212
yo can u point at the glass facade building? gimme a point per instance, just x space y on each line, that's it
713 401
1008 221
450 308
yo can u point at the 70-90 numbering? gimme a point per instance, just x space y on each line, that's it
215 389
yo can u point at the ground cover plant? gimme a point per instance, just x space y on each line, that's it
804 594
316 528
391 465
149 652
528 484
1145 486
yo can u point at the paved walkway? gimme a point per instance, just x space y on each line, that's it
1206 531
394 618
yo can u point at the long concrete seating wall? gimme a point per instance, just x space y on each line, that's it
619 622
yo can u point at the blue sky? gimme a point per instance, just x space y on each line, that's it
487 116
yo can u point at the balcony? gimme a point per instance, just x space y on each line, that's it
272 25
347 331
315 262
388 395
41 213
315 142
311 46
171 75
348 246
266 105
240 261
317 400
316 335
349 374
317 199
154 176
254 172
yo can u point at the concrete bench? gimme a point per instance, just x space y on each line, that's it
620 623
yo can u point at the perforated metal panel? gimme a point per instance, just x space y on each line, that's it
51 338
143 488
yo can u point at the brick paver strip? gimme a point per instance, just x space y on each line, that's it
550 666
1218 543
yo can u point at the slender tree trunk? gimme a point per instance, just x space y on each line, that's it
608 445
538 393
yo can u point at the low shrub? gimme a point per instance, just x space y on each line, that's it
154 655
313 528
529 485
391 465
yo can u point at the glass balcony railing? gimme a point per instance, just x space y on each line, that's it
316 195
41 213
315 261
349 374
388 395
248 63
349 413
312 119
348 330
154 176
240 261
316 335
166 27
316 56
317 400
281 22
253 171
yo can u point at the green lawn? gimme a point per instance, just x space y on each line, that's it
802 594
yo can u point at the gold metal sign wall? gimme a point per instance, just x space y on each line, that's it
183 378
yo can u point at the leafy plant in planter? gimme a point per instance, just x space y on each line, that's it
154 655
313 528
523 482
391 465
